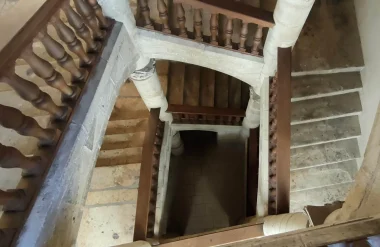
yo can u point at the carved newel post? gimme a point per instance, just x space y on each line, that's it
148 85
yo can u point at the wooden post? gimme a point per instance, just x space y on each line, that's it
163 13
145 11
181 20
229 28
214 29
257 41
198 25
99 14
85 10
243 36
13 200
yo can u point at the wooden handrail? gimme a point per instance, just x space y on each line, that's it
205 110
232 9
279 135
147 192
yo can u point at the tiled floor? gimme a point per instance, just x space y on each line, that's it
206 183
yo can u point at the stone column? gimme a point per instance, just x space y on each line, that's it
252 114
148 85
177 144
289 16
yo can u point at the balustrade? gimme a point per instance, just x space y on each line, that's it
90 25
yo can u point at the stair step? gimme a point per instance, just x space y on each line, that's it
324 154
234 93
121 141
129 108
326 108
106 197
325 175
221 90
176 83
315 86
121 176
325 131
207 87
192 85
319 196
126 126
119 157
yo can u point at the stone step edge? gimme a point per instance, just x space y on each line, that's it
317 96
326 118
323 142
324 164
329 71
321 187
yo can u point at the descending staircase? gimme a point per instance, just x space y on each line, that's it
197 86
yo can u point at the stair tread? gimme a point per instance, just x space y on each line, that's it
234 93
119 156
121 141
326 108
221 90
104 197
319 196
176 83
207 87
324 131
126 126
192 85
324 154
312 86
129 108
325 175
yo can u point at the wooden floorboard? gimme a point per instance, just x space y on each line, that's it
234 93
221 90
176 83
192 85
207 87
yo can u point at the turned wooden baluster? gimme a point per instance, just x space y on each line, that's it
68 36
99 14
80 27
163 13
257 40
145 11
181 20
30 92
57 51
12 118
214 29
243 36
85 10
13 200
198 25
45 70
10 157
229 29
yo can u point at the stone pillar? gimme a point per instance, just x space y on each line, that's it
148 85
289 16
177 144
252 114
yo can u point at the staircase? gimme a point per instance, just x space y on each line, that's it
192 85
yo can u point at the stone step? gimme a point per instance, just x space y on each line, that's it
319 196
119 156
315 86
115 177
129 108
326 108
126 126
325 175
107 197
121 141
324 131
324 154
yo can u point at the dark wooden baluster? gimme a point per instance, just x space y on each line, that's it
13 200
57 51
86 11
198 25
80 27
45 70
214 29
229 29
99 14
30 92
163 13
257 40
145 11
10 157
181 20
243 36
12 118
68 36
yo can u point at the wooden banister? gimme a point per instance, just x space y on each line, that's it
233 9
279 135
147 193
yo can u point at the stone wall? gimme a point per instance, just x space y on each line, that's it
62 197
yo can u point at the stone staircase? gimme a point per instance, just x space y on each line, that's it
197 86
